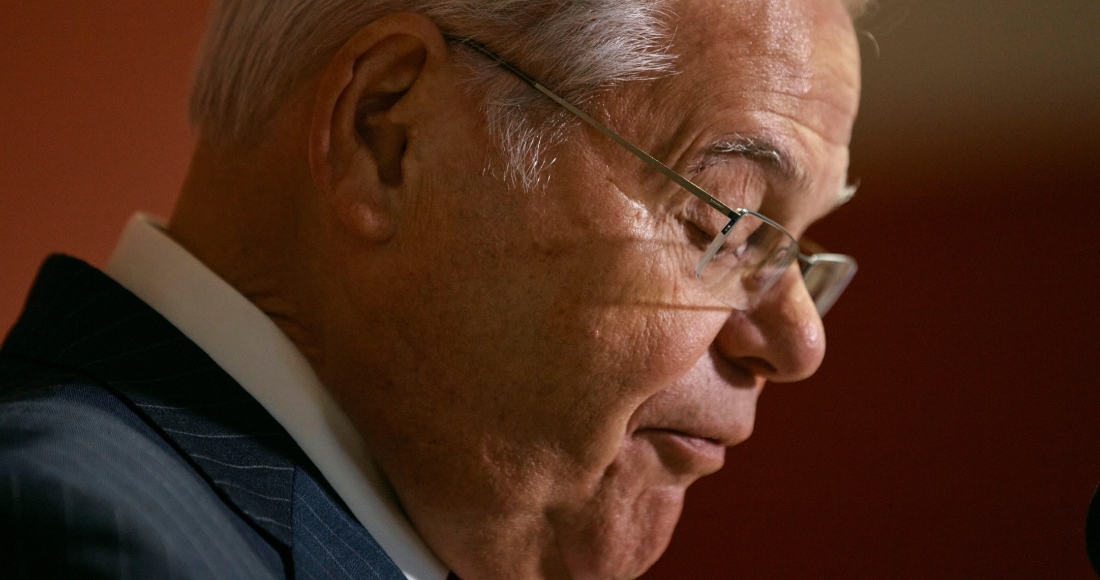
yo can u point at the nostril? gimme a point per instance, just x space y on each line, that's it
756 366
781 339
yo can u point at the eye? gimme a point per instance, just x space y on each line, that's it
743 245
731 252
699 223
698 235
756 238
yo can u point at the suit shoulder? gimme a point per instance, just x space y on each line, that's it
87 488
27 379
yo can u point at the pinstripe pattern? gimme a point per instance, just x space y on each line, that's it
146 411
329 544
74 454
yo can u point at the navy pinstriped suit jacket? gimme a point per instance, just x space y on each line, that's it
126 452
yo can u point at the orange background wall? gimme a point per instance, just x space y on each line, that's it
954 429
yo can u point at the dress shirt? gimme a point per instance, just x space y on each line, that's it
252 349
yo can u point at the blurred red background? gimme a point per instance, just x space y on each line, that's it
954 429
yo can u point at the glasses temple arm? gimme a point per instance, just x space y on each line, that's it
646 157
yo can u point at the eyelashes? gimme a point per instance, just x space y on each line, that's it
697 235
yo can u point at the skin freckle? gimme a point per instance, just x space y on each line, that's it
528 305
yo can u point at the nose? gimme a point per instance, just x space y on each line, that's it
782 338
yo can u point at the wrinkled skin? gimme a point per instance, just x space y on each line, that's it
557 381
537 374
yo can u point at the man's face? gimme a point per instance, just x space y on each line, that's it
549 377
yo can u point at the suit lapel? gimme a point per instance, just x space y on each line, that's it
329 542
79 319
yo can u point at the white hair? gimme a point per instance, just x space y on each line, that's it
257 51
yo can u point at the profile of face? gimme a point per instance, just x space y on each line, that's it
536 373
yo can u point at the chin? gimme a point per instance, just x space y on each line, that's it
625 525
623 544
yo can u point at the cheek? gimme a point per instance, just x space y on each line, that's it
563 335
665 320
550 332
631 333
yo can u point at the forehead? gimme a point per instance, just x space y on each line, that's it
788 50
782 71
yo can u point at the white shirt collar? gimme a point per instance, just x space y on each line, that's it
254 351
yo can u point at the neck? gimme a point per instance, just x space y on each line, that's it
240 212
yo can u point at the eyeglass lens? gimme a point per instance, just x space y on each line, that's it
826 277
743 263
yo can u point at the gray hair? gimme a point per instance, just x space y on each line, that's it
257 51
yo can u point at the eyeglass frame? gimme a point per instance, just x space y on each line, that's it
809 261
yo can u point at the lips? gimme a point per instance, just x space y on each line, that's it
683 453
691 422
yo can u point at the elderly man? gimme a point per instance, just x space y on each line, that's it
427 306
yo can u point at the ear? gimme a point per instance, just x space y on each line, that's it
360 124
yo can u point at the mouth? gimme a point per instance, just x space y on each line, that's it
685 454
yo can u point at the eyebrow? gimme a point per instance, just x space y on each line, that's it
779 163
772 157
846 193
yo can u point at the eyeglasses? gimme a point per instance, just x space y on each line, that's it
749 254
